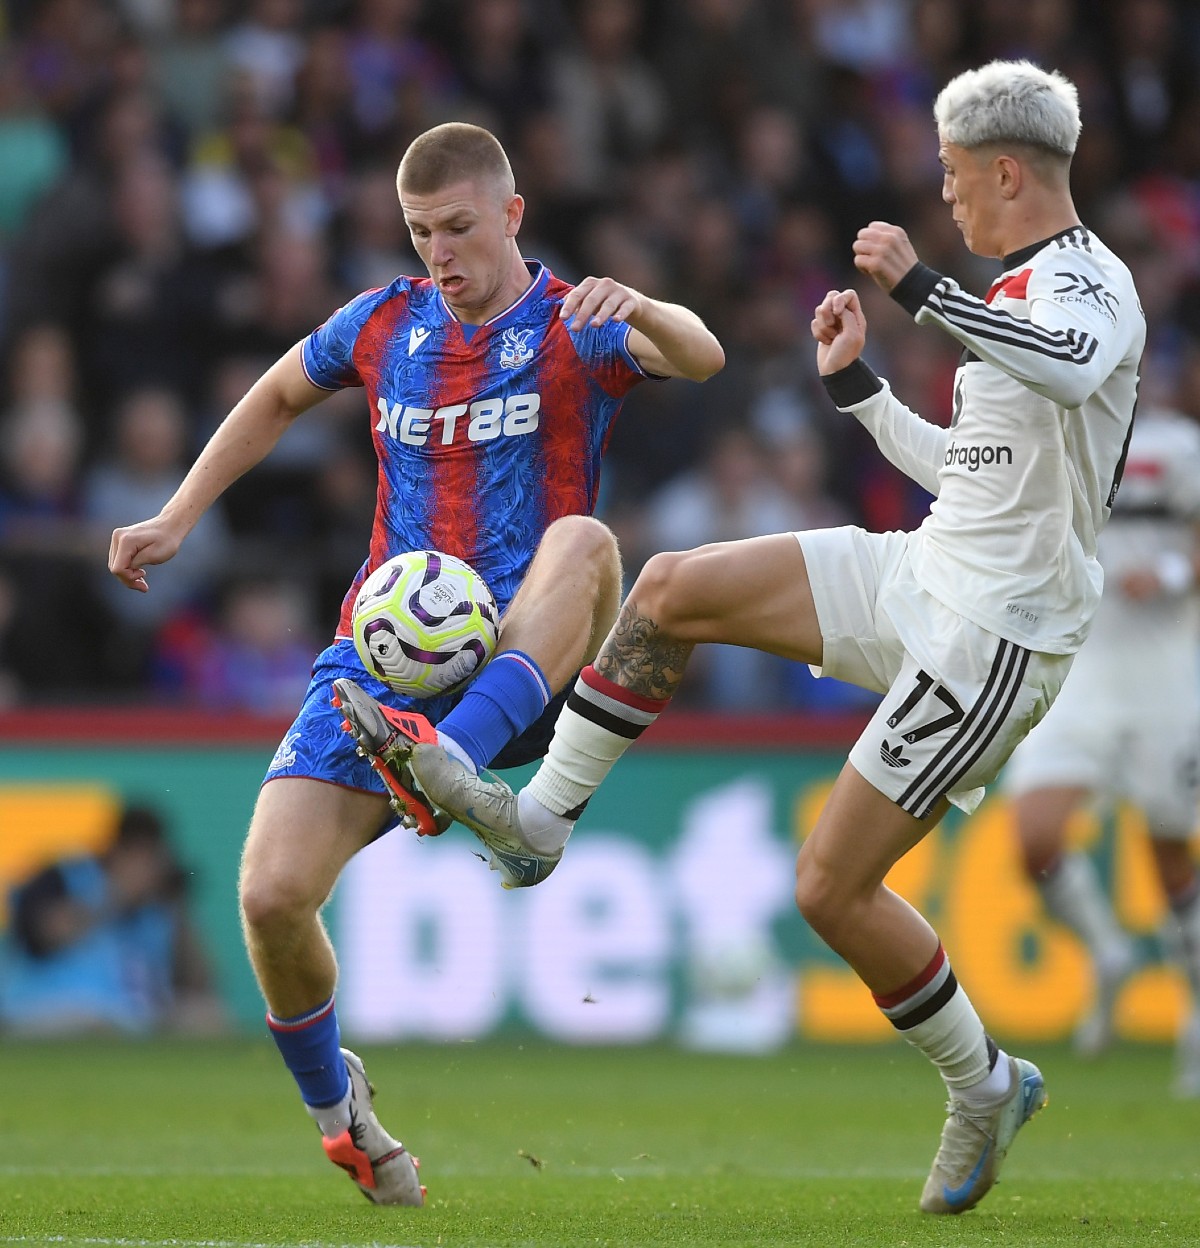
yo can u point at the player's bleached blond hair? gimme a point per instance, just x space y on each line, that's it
454 152
1009 102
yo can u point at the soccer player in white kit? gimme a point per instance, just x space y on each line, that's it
967 625
1127 725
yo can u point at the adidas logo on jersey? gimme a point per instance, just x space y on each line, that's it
893 755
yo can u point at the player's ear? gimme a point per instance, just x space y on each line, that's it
513 214
1008 176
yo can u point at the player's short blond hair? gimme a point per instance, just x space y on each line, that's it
454 152
1010 102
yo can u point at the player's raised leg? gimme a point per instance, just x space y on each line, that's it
555 623
840 891
562 612
758 592
301 836
752 593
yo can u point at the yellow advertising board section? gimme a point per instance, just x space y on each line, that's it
672 909
1027 977
40 823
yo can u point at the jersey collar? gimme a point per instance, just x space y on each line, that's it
1027 253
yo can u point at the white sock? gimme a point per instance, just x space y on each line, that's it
455 750
600 721
1073 895
332 1119
955 1042
935 1015
544 831
993 1087
1185 912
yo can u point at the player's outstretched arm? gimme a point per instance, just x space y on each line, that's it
666 339
244 437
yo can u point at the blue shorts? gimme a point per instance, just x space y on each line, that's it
317 747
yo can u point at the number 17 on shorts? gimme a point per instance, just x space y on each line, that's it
933 737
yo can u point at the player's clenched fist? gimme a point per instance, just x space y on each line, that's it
840 329
134 547
883 252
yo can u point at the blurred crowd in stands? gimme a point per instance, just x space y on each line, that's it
187 187
105 940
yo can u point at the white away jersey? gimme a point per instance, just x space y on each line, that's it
1043 406
1127 721
1155 514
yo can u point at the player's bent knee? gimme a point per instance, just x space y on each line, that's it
272 899
818 898
1040 844
581 536
583 544
665 588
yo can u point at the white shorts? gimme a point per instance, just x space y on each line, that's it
1140 742
957 698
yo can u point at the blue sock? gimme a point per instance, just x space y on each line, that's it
310 1045
500 703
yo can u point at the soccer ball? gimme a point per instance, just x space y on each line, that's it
425 622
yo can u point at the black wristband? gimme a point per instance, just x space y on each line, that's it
852 384
912 291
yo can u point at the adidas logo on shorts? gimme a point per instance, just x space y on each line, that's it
892 755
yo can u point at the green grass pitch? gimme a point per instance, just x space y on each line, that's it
189 1143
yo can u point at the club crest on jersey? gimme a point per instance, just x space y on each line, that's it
285 755
514 348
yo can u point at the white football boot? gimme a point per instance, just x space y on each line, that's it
975 1140
486 805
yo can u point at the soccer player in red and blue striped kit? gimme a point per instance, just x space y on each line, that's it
491 389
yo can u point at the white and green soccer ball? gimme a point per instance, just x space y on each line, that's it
424 623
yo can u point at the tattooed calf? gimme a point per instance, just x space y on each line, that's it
639 658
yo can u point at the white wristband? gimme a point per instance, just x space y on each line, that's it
1176 573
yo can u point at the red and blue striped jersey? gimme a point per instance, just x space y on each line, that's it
485 434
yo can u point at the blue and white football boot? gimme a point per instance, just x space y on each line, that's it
431 787
975 1140
486 805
